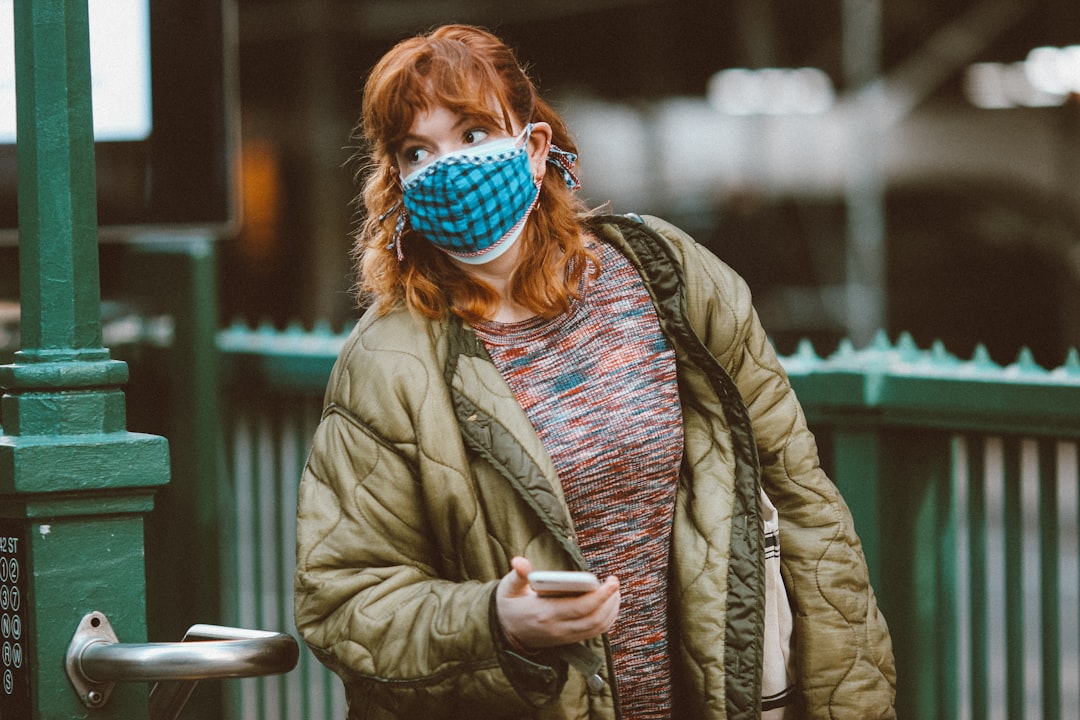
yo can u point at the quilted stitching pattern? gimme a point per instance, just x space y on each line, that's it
842 641
388 463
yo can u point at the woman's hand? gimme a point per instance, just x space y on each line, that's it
539 622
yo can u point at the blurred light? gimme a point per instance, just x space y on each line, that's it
120 58
1054 70
1045 78
263 198
771 91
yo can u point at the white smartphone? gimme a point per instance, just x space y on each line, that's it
561 583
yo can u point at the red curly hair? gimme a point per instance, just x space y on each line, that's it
470 72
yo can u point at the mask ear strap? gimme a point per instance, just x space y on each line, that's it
399 227
564 161
402 218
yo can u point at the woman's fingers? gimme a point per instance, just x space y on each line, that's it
546 621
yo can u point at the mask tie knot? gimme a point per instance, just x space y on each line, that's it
564 163
399 227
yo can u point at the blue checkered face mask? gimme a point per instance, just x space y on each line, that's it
472 203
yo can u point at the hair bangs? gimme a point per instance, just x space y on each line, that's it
442 72
468 85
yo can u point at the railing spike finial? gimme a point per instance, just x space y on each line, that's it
939 354
907 347
981 358
881 341
1072 362
846 348
806 351
1025 361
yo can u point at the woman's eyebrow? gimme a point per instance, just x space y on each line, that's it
418 138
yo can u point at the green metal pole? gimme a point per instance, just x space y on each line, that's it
1014 582
1050 579
978 622
74 484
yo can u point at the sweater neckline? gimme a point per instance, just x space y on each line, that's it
529 329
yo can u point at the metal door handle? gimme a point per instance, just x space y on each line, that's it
96 661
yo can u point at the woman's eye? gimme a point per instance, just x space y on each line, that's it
415 156
476 135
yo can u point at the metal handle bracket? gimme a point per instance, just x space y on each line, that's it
94 629
96 661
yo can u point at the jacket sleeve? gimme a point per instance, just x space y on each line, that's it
369 598
845 663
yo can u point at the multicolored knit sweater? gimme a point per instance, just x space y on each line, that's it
599 385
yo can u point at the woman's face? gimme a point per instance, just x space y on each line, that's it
439 130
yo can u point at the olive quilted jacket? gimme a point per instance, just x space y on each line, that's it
426 477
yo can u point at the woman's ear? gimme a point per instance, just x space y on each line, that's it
539 144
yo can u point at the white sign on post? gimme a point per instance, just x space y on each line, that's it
119 63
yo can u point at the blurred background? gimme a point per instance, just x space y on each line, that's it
910 165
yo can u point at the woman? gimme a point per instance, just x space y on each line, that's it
536 387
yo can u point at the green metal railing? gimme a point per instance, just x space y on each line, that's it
961 474
274 383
